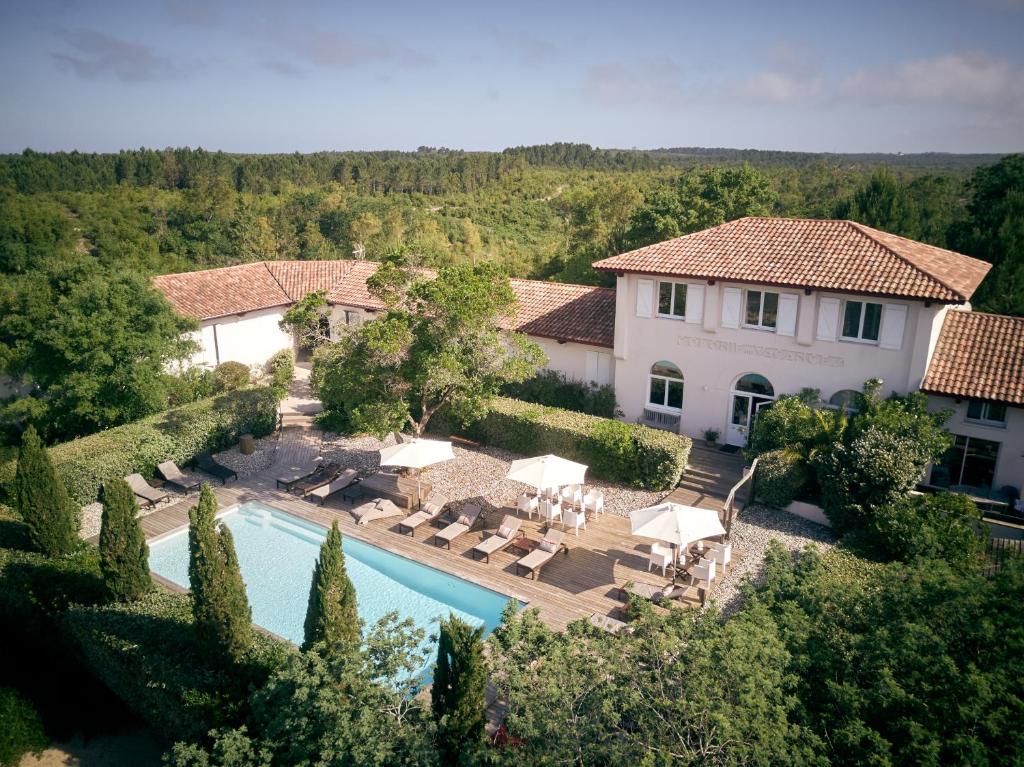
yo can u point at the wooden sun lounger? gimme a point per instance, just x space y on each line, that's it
322 476
172 474
498 542
286 481
432 510
144 491
536 559
465 522
343 480
208 464
382 508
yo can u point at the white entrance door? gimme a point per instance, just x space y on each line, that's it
741 417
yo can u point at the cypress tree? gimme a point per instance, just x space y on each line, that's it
331 615
219 604
124 555
457 697
43 502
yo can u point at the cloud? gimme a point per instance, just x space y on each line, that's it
653 81
777 88
331 49
526 49
966 79
94 55
282 67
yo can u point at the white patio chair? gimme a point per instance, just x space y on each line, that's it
721 554
703 572
572 495
661 556
593 501
575 520
528 504
552 512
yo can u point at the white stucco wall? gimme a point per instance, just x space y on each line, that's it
571 359
250 338
1010 462
712 357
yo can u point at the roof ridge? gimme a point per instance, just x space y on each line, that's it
866 231
563 284
972 313
276 281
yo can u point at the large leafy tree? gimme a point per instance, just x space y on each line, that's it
42 499
331 616
439 344
219 603
124 555
457 695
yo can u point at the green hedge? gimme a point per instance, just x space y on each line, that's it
178 434
148 654
21 731
552 388
781 475
619 452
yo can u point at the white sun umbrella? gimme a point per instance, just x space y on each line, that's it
417 453
547 471
675 523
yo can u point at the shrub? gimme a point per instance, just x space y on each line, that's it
281 369
178 435
42 499
219 604
552 388
457 695
22 731
788 423
190 385
941 526
124 555
781 475
616 451
37 588
230 376
147 653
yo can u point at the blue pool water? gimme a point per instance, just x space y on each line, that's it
277 552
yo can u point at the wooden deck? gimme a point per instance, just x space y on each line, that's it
572 586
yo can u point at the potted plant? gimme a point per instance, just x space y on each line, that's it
711 437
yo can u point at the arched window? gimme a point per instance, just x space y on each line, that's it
845 399
665 389
755 384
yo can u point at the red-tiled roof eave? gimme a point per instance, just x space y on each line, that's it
960 395
567 339
712 279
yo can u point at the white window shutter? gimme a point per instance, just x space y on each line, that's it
785 323
894 320
828 318
603 363
731 307
644 297
591 374
694 303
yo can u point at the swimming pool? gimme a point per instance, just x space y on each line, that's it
277 551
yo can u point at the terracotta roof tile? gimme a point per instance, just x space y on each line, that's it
843 256
979 356
566 312
220 292
547 309
298 278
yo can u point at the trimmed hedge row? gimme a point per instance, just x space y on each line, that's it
148 654
613 450
178 434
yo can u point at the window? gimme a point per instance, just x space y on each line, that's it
753 383
665 389
671 299
351 318
970 464
762 309
861 321
992 413
845 399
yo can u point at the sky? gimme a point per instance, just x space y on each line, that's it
853 76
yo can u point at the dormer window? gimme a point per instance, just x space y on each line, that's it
762 310
989 413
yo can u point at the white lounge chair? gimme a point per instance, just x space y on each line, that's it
172 474
501 540
143 490
527 504
593 501
382 508
661 556
432 509
342 481
544 553
575 520
463 524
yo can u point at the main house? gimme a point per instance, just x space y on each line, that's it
703 331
